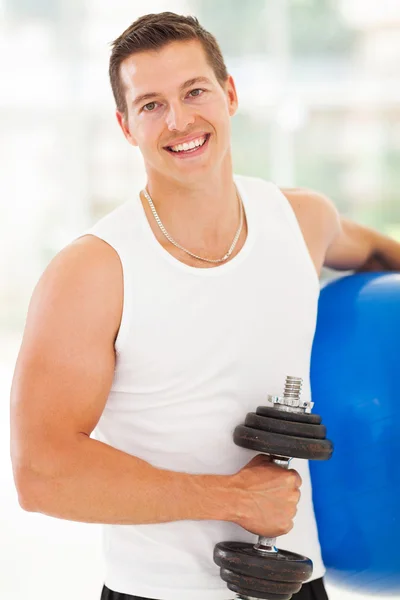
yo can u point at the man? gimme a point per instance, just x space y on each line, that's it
166 323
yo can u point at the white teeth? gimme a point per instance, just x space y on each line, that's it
190 145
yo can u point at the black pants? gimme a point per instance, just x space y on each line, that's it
314 590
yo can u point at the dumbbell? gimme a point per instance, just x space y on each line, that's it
285 430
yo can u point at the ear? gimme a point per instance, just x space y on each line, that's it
231 95
123 123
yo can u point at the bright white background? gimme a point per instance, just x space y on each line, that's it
319 92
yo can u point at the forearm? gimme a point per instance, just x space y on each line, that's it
96 483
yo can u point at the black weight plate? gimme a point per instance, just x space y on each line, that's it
307 430
253 594
282 445
260 585
241 558
275 413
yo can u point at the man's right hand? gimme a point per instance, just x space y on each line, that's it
267 497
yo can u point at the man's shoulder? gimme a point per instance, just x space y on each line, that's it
317 215
308 203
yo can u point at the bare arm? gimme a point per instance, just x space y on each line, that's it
345 244
349 245
61 383
362 249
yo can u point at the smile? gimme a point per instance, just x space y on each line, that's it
181 152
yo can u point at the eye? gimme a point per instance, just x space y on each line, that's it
197 90
146 109
149 104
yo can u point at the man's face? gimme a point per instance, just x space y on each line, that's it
175 112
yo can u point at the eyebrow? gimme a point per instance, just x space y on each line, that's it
187 83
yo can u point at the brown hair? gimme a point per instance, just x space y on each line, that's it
153 32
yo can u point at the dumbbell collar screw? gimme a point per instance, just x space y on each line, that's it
291 404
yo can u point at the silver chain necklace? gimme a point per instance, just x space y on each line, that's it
218 260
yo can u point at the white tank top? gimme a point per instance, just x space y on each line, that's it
197 349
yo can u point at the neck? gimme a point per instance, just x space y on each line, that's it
204 213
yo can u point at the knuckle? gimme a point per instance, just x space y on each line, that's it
287 479
294 478
291 478
286 526
281 530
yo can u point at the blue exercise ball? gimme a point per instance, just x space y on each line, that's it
355 369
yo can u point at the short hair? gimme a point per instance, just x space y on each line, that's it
153 32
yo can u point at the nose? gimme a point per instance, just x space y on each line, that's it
179 117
